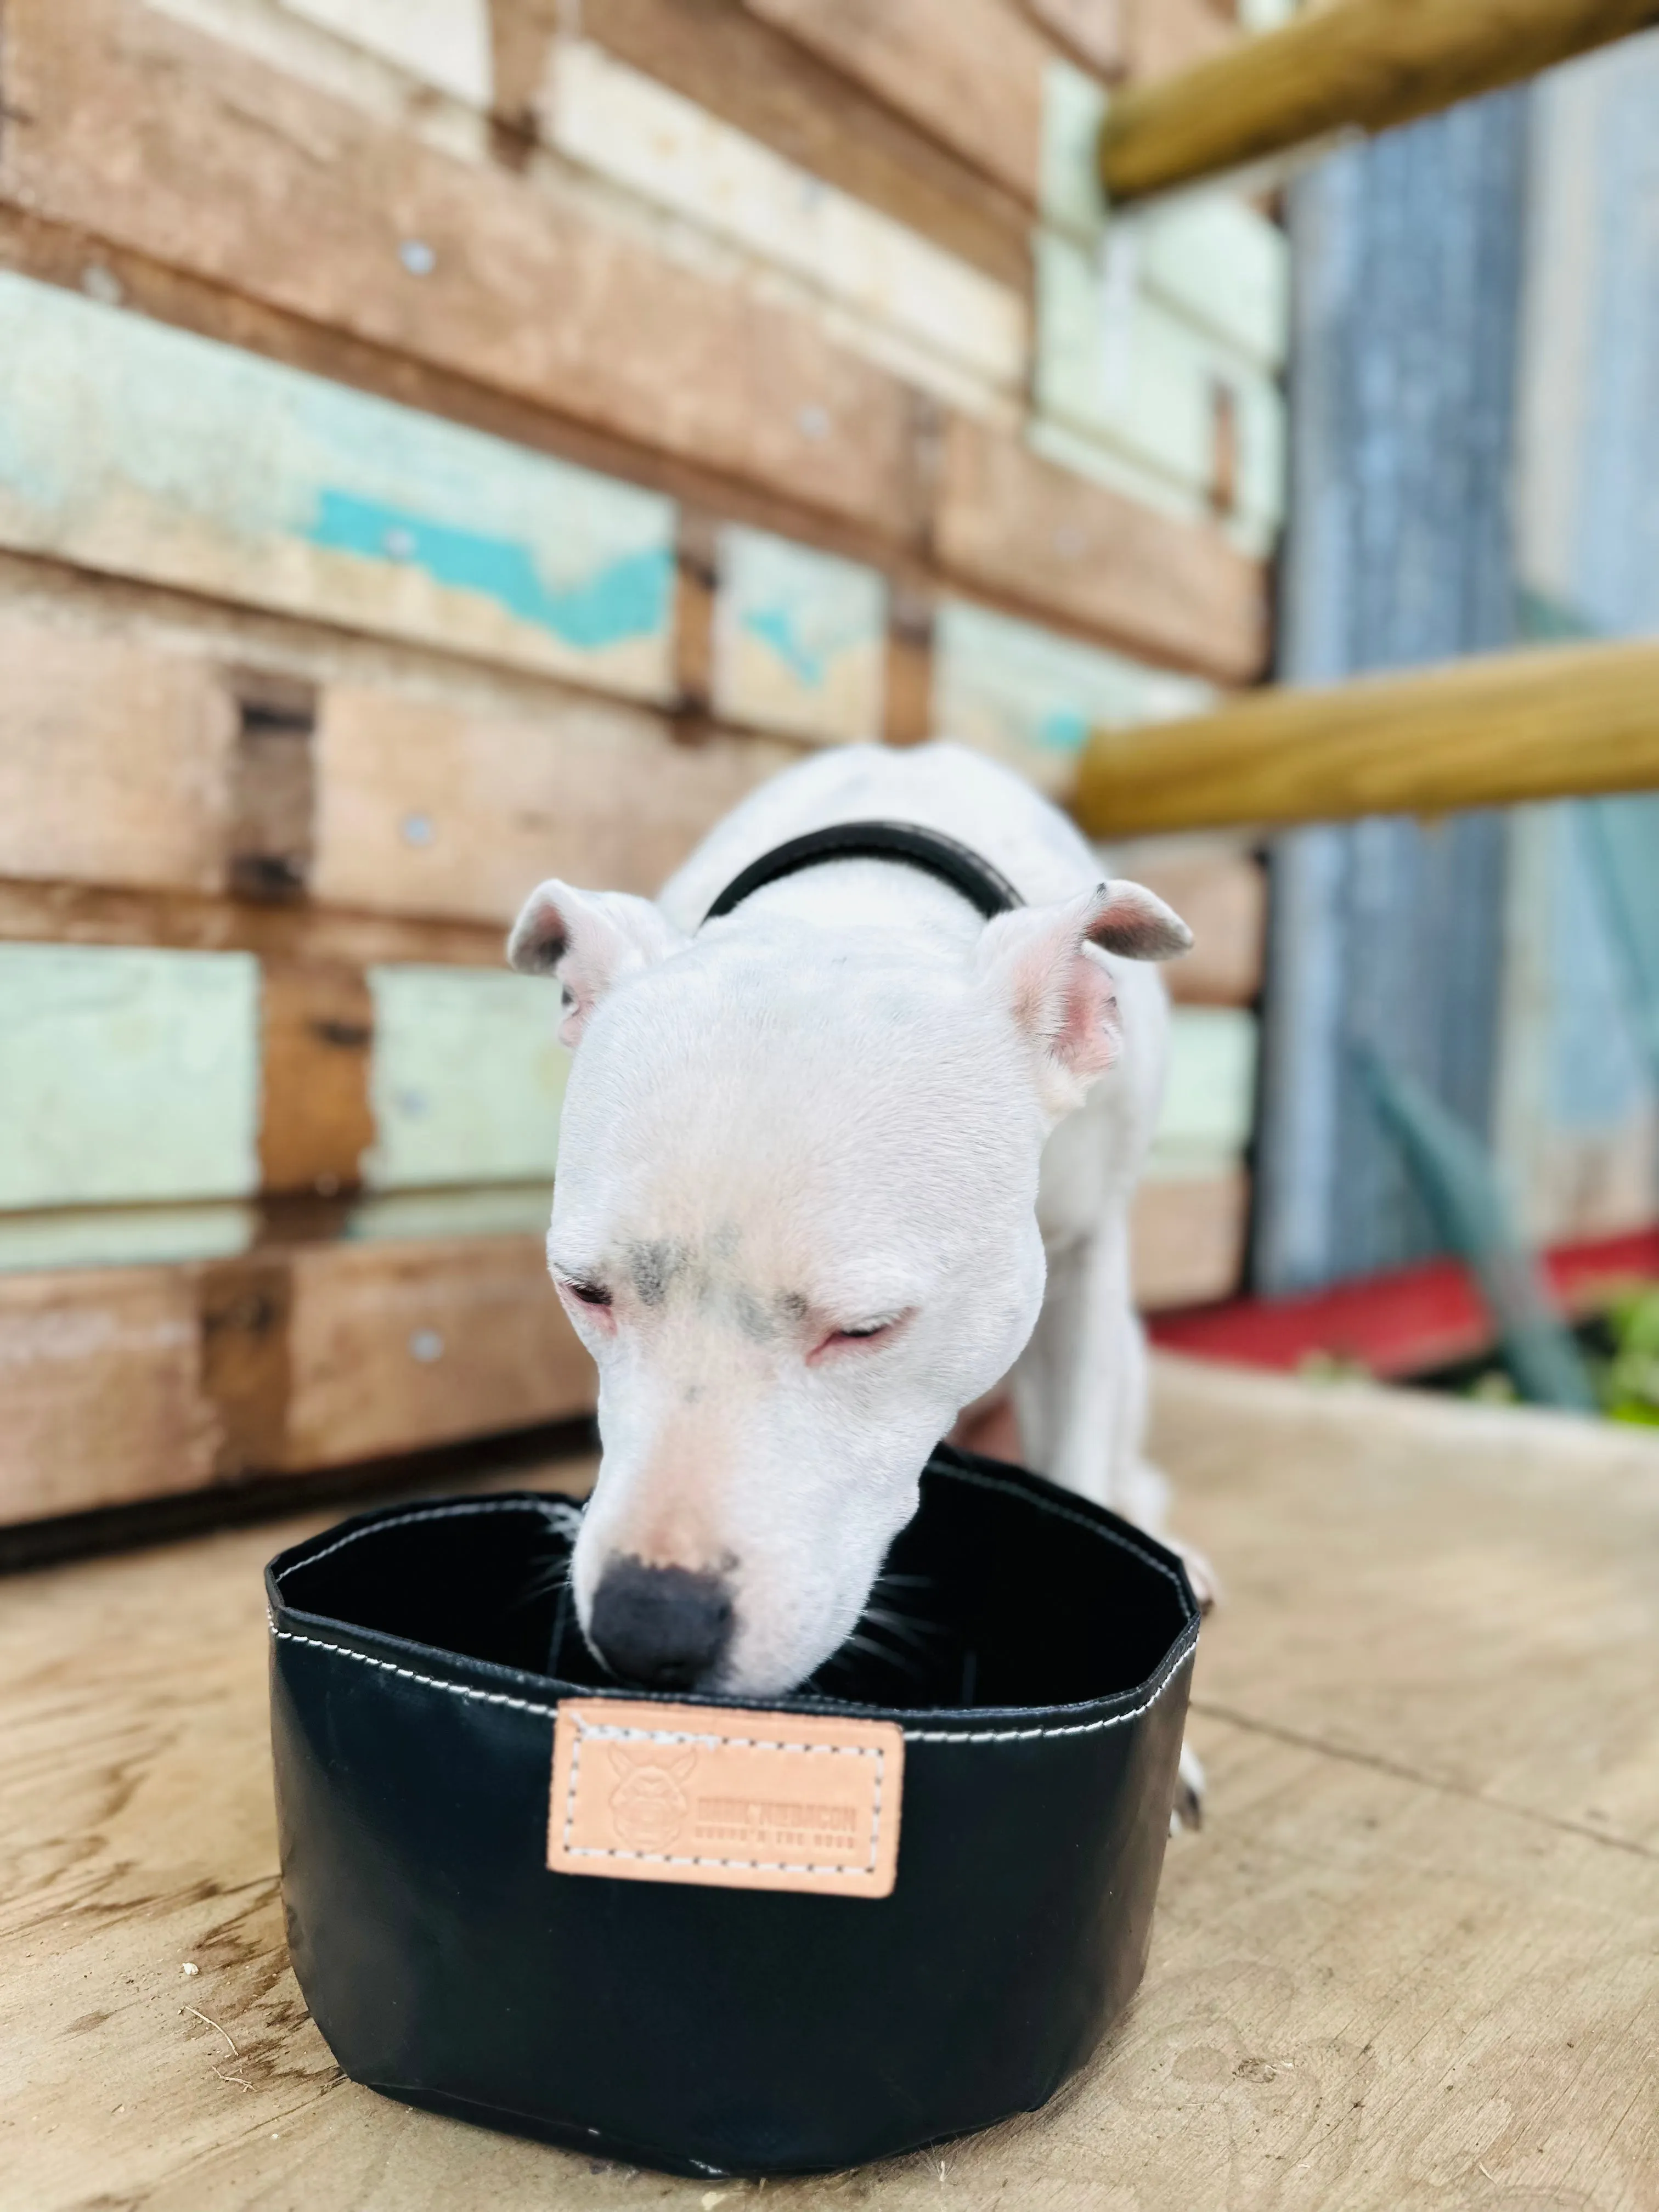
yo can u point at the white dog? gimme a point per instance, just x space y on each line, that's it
833 1166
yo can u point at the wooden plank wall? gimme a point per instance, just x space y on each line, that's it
437 449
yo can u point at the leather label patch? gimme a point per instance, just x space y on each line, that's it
736 1800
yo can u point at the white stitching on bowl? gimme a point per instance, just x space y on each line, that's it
911 1736
556 1508
552 1508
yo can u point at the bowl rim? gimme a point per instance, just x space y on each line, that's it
974 1723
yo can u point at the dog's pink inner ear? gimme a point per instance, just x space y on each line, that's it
589 940
1046 963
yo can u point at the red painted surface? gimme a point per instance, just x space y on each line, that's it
1404 1324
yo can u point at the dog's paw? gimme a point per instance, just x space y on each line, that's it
1188 1811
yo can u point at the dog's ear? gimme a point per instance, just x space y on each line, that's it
589 940
1045 963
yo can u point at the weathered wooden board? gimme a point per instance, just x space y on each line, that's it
1220 890
126 1075
115 760
1117 363
1219 261
948 325
1188 1238
1069 195
100 1377
428 788
148 452
124 1236
434 804
132 1075
879 286
971 71
1168 36
1094 29
1402 1965
1490 1574
775 90
1209 1102
1010 521
85 914
1031 697
243 171
444 43
397 1345
317 1048
800 639
148 1379
468 1077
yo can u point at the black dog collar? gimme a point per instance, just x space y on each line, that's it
983 886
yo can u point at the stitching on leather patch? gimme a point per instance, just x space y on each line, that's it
731 1800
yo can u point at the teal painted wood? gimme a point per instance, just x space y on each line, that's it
1069 192
1216 260
1031 698
1117 363
1209 1102
129 446
800 639
467 1078
125 1237
127 1075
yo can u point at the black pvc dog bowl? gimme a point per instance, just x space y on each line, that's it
1039 1679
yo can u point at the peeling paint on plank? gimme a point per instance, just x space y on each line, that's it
800 639
467 1080
125 445
1031 698
127 1074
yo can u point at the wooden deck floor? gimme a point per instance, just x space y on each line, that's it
1413 1960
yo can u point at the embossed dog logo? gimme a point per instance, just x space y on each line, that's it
647 1805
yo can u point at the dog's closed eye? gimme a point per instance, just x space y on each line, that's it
856 1336
585 1293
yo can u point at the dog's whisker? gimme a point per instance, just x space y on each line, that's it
904 1626
544 1584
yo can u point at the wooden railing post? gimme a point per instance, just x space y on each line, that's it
1361 64
1542 723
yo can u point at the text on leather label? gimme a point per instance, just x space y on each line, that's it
736 1800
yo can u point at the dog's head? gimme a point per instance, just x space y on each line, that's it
794 1222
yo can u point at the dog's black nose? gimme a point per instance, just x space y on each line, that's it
665 1628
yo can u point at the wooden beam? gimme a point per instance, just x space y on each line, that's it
140 750
968 72
1009 522
1364 65
776 89
143 1382
1491 731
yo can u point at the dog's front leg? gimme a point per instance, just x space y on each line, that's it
1081 1392
1080 1385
